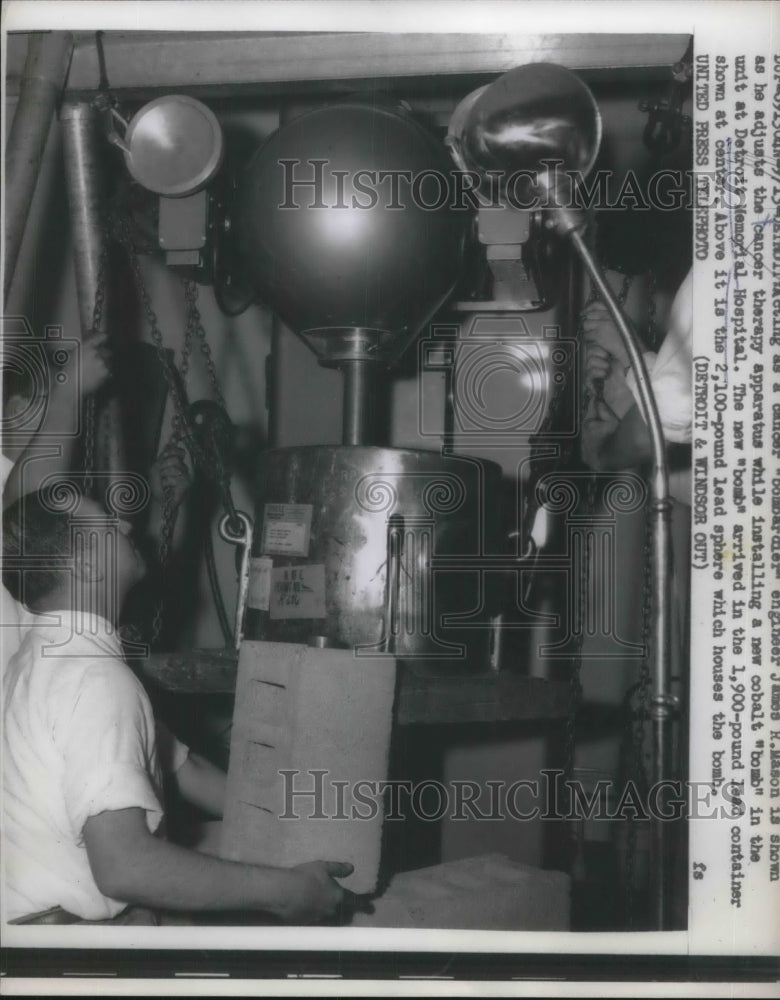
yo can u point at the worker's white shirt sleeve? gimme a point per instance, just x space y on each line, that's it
79 739
671 369
15 619
10 610
107 740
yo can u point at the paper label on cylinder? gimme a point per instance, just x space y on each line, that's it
259 593
286 529
298 592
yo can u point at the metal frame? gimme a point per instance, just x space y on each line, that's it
234 63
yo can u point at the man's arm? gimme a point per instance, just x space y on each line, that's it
202 783
131 865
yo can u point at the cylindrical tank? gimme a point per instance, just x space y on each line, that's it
374 548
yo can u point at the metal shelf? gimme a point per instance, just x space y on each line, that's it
502 696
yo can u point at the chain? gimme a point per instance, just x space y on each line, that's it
638 698
181 425
124 237
190 327
635 721
575 661
208 459
191 294
169 510
181 416
575 684
186 352
89 442
211 459
169 517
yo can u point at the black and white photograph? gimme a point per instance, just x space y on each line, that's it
391 497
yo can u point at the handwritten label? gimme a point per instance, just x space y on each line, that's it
298 592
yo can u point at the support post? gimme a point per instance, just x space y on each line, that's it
358 414
45 70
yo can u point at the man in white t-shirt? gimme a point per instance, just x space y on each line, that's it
81 760
79 737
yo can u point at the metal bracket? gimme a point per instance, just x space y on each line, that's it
244 540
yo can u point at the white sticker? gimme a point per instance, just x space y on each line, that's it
259 594
286 529
298 592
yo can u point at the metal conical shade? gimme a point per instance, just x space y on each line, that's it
528 117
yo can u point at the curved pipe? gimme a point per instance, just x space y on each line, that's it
663 706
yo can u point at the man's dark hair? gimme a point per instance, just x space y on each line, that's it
34 533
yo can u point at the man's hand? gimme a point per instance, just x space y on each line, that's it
170 473
599 426
316 895
600 332
599 363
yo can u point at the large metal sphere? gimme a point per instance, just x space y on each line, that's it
343 256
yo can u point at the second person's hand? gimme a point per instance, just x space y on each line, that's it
599 329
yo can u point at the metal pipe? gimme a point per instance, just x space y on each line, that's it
45 69
273 401
663 705
273 364
570 223
358 412
82 138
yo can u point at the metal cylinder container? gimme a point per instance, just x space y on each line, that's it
376 549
